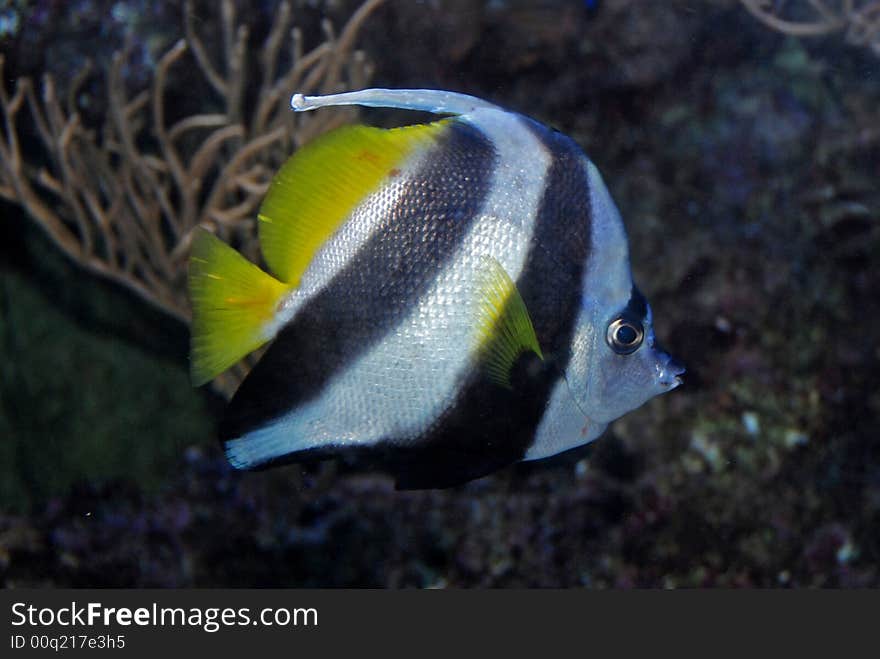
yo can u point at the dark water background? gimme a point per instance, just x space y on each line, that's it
746 165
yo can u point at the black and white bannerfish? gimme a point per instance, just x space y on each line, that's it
448 297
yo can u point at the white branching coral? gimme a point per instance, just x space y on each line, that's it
858 20
123 198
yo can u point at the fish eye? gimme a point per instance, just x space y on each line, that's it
624 336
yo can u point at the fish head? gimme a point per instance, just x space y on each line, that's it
616 363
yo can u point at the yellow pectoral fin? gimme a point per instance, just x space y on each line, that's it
233 304
319 186
504 328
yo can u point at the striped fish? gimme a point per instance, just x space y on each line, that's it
449 297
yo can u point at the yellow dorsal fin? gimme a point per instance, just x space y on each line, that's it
504 328
320 184
233 302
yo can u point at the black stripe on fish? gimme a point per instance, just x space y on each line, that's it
491 426
377 288
637 307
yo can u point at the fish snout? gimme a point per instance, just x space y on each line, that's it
670 372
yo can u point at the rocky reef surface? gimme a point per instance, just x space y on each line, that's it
745 164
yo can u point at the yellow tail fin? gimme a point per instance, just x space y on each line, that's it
233 303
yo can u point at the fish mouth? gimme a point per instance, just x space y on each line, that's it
670 374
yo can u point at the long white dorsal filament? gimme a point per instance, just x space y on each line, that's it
436 101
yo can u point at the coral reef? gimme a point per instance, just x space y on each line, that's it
858 20
745 165
122 197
